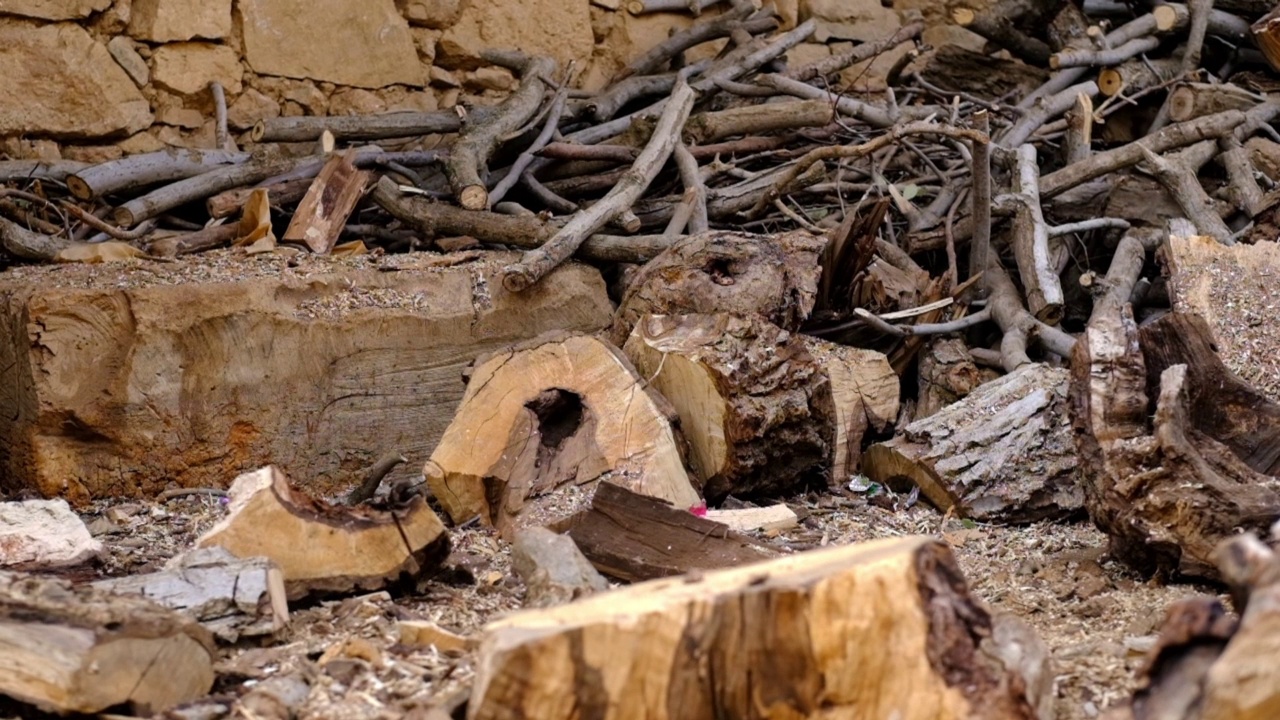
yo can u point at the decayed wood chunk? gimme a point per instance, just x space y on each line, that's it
542 422
865 395
946 374
326 548
1004 453
726 272
125 379
1165 492
633 537
754 404
801 636
79 649
231 596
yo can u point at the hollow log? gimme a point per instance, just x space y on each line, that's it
542 423
82 650
321 547
721 271
1166 492
1004 453
801 636
755 406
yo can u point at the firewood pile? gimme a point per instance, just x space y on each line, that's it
1026 284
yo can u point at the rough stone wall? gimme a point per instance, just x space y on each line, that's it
91 80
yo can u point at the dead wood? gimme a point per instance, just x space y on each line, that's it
708 127
469 156
666 134
23 170
1030 241
946 374
704 625
326 548
720 26
139 171
1003 453
78 649
232 597
865 396
24 244
755 406
543 424
726 272
329 201
1165 493
364 127
999 25
211 237
836 63
1134 76
1180 179
956 69
368 487
616 534
285 193
1044 111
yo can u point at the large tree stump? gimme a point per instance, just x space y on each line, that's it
326 548
755 406
1165 492
1004 453
804 636
78 649
121 379
775 276
542 422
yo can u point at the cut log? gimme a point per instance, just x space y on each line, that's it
755 406
541 423
1165 493
1266 35
1225 286
78 649
751 519
121 382
632 537
326 548
1192 100
36 534
328 203
1002 454
730 272
801 636
864 394
946 374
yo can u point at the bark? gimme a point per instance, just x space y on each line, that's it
755 406
616 535
23 170
542 424
685 641
708 127
138 171
365 127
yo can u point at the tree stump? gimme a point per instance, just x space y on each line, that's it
726 272
800 636
1165 492
79 649
754 404
1004 453
542 422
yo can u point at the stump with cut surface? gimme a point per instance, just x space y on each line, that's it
123 378
544 421
801 636
775 276
1004 453
754 404
326 548
1162 488
78 649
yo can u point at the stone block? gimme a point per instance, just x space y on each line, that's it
188 68
53 9
170 20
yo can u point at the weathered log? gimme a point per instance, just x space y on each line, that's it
947 373
1192 100
755 406
617 535
1136 75
1004 453
542 424
708 127
865 395
1030 240
77 649
363 127
23 244
326 548
136 171
720 271
1165 493
232 597
685 641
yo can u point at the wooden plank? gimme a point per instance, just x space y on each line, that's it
328 203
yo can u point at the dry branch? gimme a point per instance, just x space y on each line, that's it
138 171
1031 241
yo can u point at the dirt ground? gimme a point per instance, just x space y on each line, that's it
1097 619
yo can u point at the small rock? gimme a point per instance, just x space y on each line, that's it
25 149
491 78
275 698
251 107
554 570
103 526
188 68
435 14
139 143
443 78
309 97
44 533
355 101
121 49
